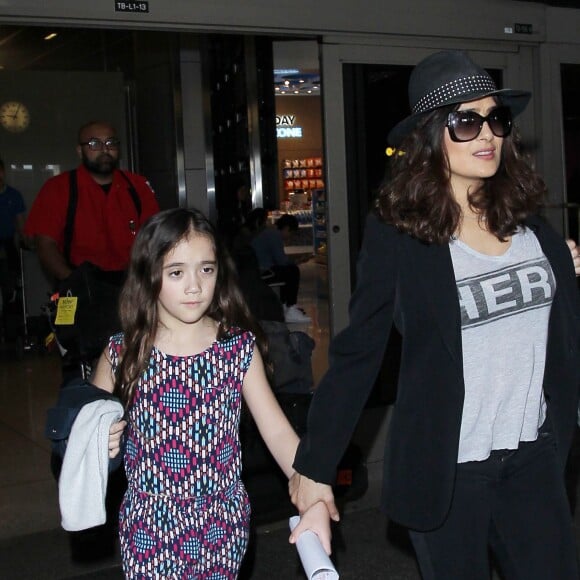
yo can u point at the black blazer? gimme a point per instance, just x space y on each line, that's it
411 284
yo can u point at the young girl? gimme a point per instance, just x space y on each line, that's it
188 352
484 296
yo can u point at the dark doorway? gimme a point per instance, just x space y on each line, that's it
375 99
570 78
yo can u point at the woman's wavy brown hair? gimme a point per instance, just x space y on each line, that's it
417 199
138 303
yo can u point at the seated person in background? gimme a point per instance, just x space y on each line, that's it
268 244
262 300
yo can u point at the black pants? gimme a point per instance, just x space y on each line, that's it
513 503
9 269
290 275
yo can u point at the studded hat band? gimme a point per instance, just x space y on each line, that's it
449 91
450 77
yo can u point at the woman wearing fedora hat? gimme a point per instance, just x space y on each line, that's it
484 296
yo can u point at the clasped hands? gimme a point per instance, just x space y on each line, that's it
315 503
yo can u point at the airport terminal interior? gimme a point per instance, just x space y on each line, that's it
137 79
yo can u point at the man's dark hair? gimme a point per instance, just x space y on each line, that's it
256 219
287 221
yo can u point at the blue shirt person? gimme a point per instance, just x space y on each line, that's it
12 213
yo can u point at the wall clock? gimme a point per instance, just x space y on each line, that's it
14 116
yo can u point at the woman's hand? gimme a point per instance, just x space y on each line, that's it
304 493
317 520
115 435
575 255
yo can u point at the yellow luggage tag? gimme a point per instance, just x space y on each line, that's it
66 310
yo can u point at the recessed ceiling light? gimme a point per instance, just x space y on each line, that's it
51 36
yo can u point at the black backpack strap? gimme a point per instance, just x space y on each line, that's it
134 195
70 214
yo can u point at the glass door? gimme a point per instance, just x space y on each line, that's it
365 94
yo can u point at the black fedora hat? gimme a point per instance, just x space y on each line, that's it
447 78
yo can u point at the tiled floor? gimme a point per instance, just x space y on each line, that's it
28 387
28 492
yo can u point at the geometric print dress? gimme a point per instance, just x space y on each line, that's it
186 512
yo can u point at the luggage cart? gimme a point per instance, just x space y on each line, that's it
26 344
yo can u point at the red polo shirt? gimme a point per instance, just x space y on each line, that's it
105 222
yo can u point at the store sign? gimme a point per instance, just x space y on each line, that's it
286 127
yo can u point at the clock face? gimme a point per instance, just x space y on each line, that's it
14 116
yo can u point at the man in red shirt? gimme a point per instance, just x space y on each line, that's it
83 223
106 217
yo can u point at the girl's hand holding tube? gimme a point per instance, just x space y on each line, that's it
317 520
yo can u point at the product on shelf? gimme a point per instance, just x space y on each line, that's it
302 175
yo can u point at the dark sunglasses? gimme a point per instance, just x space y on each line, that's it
98 145
466 125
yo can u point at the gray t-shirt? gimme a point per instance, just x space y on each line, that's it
505 307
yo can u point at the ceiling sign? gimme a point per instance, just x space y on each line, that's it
142 6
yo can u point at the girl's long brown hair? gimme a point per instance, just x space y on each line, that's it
138 303
417 199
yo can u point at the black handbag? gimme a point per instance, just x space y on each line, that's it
72 396
290 353
96 317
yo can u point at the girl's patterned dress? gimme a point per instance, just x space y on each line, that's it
186 512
